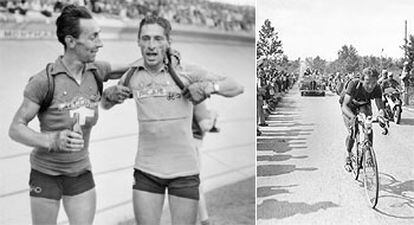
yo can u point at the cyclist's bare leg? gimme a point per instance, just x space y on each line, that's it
349 142
80 208
44 211
202 206
147 207
183 210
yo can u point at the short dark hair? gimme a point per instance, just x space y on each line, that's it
370 72
154 19
68 22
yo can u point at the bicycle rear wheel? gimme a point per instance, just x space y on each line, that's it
371 177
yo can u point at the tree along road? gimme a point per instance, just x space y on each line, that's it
300 173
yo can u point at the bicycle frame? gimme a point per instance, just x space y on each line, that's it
362 131
365 124
365 155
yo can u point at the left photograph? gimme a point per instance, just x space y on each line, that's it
127 112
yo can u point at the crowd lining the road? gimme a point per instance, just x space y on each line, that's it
271 86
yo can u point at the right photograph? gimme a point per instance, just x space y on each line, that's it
335 112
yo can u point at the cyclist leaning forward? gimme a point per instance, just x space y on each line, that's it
357 98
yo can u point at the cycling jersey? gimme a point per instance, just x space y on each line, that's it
358 93
165 141
69 97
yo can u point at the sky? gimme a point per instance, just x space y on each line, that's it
308 28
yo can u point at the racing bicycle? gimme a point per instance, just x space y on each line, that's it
363 155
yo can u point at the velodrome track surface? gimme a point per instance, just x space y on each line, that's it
227 157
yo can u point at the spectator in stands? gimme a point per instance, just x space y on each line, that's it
58 6
22 7
11 6
46 9
193 12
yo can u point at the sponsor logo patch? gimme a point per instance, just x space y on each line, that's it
35 189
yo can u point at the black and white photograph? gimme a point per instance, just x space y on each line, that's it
127 112
335 112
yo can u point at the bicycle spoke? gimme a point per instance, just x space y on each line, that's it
371 180
355 161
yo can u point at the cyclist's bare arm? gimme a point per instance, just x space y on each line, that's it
345 106
20 131
118 69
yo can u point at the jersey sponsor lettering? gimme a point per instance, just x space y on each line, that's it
156 90
85 107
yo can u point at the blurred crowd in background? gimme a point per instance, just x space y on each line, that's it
220 16
272 84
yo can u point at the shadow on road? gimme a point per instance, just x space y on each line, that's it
292 133
290 124
275 170
271 208
279 157
407 121
396 197
284 134
285 118
273 190
280 145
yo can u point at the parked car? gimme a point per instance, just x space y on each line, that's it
312 86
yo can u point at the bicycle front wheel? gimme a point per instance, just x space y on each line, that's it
371 177
356 161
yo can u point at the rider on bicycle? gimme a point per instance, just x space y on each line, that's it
390 82
384 76
357 98
389 87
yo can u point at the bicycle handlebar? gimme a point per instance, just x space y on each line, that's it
366 121
390 91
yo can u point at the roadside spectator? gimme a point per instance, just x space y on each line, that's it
404 82
58 6
22 7
46 10
11 6
261 93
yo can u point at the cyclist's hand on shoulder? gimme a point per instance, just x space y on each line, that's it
117 93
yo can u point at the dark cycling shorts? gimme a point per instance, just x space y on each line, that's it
54 187
185 187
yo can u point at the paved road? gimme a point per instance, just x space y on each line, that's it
300 175
114 138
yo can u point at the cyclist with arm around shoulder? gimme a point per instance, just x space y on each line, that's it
60 164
